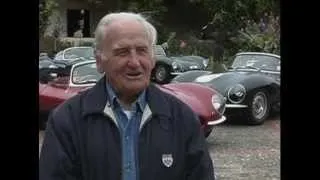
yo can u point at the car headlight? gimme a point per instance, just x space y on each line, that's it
218 102
236 94
194 67
175 65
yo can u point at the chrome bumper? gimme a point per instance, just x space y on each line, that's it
236 106
176 73
222 119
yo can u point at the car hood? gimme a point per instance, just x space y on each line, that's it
197 59
189 94
46 64
68 62
222 81
186 62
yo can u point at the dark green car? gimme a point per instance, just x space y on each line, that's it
165 69
168 67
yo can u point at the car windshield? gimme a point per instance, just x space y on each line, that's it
159 51
84 52
85 73
257 61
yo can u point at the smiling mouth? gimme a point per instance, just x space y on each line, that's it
134 75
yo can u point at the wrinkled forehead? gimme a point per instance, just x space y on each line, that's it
126 32
126 27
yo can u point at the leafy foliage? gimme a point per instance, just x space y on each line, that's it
234 24
262 36
45 10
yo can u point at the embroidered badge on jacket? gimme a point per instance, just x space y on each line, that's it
167 160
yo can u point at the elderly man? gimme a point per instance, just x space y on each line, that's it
124 127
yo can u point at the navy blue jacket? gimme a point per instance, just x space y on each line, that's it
82 140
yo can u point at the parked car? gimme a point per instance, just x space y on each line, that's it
206 102
62 62
47 70
72 55
44 56
75 53
251 85
168 67
165 69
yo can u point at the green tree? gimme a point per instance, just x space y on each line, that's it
260 36
46 8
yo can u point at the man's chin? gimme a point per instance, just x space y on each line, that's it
130 87
137 87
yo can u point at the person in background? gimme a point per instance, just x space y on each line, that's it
124 127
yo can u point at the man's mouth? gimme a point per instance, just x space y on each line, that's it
134 75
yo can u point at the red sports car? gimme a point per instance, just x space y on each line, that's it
206 102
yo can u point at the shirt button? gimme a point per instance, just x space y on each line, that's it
127 138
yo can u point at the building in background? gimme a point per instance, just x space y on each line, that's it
75 19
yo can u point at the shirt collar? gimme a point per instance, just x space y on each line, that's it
96 99
114 100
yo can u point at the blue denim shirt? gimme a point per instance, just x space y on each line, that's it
129 132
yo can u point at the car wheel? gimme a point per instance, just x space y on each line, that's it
259 108
161 74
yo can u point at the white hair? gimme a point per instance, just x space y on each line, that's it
100 33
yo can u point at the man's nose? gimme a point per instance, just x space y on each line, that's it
133 59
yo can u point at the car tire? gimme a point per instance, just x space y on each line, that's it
161 74
259 108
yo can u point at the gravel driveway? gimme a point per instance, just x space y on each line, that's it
246 152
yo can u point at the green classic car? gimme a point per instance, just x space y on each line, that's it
165 69
168 67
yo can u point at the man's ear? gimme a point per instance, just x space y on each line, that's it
153 62
99 60
153 57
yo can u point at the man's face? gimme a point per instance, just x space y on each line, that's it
126 57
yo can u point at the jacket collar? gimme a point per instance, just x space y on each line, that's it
157 100
96 99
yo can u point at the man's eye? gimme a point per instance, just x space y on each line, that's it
121 52
142 50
